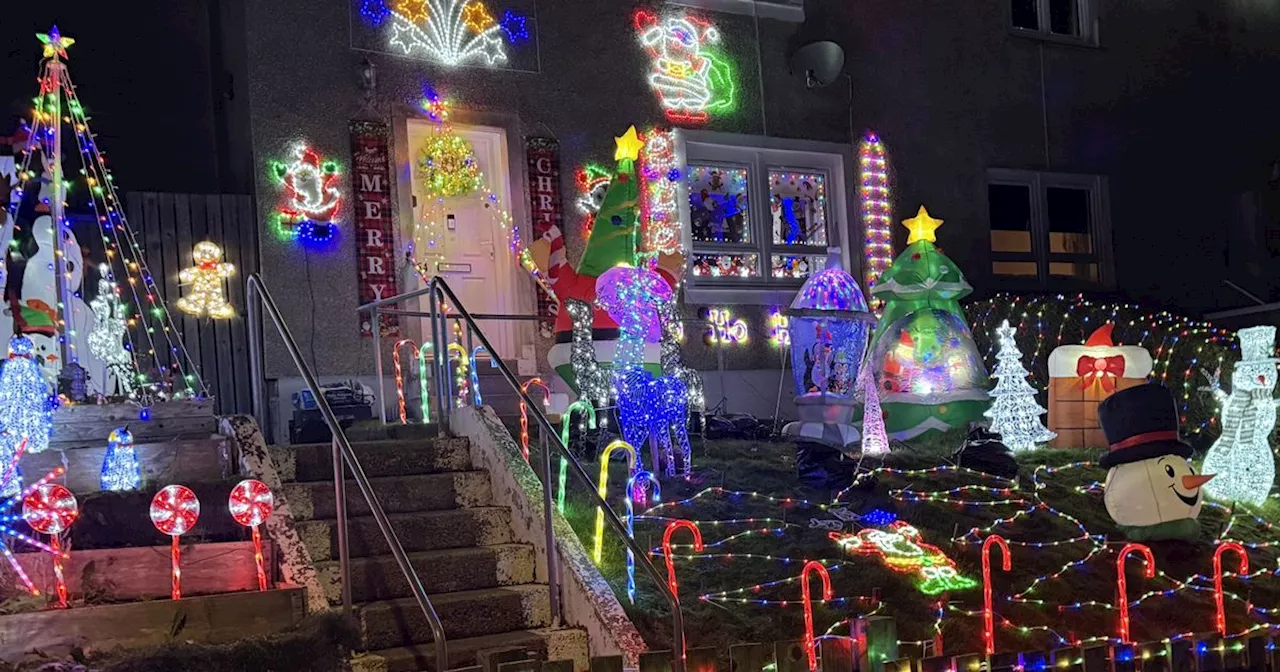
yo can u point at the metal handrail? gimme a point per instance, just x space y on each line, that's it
438 289
343 457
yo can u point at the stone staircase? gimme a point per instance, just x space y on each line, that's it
480 581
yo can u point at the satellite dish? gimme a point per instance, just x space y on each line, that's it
819 62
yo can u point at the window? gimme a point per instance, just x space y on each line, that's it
759 219
1049 229
1058 19
782 10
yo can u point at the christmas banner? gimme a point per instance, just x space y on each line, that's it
374 229
546 209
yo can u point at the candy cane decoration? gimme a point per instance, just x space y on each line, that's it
1123 588
251 504
395 361
422 382
811 644
50 509
524 411
988 619
174 510
602 487
590 410
666 550
1217 579
460 376
475 373
634 482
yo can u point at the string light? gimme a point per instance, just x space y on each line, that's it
475 373
661 175
120 470
666 550
1220 616
779 328
204 280
7 516
180 377
461 384
637 483
1014 413
877 211
524 411
691 79
901 550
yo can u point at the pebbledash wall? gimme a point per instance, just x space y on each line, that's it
1166 107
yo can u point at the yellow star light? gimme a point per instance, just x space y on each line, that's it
54 43
922 227
476 17
413 10
628 146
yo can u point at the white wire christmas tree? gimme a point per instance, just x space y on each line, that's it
159 364
1014 413
875 441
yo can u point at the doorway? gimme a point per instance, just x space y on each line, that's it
461 238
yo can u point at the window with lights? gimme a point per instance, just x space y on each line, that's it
759 218
1049 230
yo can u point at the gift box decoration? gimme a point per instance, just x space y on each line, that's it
1081 376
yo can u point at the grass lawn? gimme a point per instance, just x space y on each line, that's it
760 524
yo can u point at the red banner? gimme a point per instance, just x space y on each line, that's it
374 229
546 209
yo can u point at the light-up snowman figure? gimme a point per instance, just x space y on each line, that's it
1242 455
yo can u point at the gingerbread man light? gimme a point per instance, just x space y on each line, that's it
204 282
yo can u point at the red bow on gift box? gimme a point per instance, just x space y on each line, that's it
1100 370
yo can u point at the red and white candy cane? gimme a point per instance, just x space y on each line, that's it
251 504
524 411
988 618
174 511
50 509
1221 620
399 374
1122 587
810 642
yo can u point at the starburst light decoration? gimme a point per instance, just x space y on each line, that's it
452 32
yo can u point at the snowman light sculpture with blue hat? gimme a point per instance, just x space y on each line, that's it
1151 491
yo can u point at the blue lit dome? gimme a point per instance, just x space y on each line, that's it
832 288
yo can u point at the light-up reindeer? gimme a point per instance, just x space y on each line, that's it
649 407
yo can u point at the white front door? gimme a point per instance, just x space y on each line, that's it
461 238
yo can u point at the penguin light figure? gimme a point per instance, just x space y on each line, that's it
1151 491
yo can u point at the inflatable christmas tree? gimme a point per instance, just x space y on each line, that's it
929 371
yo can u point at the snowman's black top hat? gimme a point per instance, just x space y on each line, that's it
1140 423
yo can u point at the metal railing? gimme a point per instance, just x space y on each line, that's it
343 458
440 293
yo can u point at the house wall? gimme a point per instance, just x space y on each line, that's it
1171 108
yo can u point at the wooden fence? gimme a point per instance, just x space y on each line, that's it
167 226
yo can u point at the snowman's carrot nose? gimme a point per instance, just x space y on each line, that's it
1193 481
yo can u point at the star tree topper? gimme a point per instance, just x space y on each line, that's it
922 227
55 43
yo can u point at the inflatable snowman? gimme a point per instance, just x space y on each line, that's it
39 295
1241 456
1152 492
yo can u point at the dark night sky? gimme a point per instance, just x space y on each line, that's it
142 70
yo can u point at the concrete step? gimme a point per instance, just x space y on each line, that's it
379 578
374 430
314 461
541 644
470 613
423 531
398 494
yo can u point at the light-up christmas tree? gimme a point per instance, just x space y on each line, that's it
155 346
874 439
1014 413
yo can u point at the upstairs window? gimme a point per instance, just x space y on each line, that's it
1049 230
1068 20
